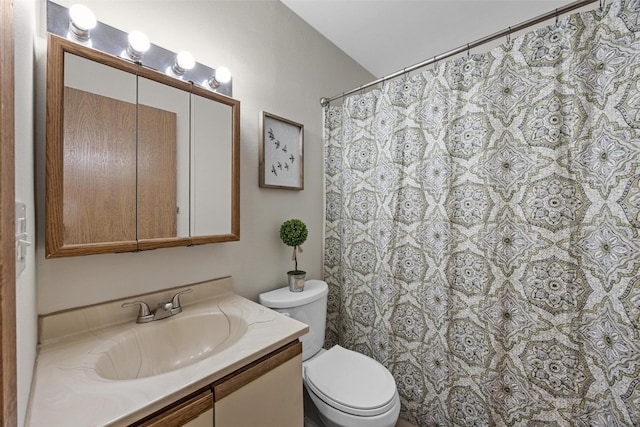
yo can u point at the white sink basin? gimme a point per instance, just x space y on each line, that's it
165 345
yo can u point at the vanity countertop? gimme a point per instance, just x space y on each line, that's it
68 391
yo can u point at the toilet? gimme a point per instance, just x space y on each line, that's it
347 388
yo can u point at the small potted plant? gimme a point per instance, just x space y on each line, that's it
293 232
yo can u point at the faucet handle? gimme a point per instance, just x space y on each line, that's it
144 315
175 301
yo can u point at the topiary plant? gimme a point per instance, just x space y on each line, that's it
293 232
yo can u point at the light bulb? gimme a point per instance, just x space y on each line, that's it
81 22
185 60
82 17
138 45
223 75
220 76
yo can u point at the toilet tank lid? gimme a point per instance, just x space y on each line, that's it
284 298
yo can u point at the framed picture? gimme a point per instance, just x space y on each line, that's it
281 153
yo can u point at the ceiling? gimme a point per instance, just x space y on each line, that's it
385 36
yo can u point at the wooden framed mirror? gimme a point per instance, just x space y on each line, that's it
136 159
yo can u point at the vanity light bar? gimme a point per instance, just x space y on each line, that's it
110 40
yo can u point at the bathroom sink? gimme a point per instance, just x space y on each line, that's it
166 345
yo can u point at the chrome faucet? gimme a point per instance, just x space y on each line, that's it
162 311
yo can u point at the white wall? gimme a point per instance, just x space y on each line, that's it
26 315
280 65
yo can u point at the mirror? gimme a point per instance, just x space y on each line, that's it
163 160
210 158
135 159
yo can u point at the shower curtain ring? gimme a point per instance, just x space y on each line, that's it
556 17
468 51
602 4
509 36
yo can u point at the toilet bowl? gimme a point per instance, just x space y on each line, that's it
351 389
347 388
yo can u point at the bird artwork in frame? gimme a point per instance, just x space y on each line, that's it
281 153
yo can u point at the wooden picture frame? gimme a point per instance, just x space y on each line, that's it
281 153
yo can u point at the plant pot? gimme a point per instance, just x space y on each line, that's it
296 280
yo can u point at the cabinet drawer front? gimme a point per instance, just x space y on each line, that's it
275 399
235 381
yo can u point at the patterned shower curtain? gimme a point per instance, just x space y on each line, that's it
482 229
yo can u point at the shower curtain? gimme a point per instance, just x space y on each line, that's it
482 229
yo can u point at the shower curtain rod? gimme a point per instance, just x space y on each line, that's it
324 102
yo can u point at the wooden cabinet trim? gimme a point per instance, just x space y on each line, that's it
249 373
145 244
181 412
95 248
54 152
8 399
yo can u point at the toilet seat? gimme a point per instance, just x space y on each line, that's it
351 382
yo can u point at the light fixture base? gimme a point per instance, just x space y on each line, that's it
78 33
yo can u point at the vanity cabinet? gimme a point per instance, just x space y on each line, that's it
265 393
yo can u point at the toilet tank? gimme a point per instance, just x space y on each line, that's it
308 306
